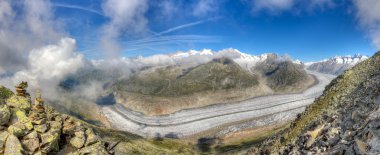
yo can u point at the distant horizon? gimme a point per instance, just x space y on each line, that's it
254 54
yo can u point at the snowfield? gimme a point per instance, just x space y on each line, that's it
192 121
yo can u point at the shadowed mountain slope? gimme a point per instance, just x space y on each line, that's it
281 74
217 74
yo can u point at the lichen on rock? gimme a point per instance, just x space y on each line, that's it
5 114
42 130
13 146
20 102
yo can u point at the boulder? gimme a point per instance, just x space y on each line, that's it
50 141
55 125
68 125
13 146
41 128
19 123
17 131
20 102
91 137
3 137
5 114
78 140
19 116
30 142
94 149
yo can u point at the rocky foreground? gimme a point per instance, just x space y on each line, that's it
344 120
33 128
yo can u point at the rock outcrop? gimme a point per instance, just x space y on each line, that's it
39 129
344 120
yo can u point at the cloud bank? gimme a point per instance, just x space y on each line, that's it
20 31
48 65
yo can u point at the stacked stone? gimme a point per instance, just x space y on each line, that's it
21 89
38 115
38 130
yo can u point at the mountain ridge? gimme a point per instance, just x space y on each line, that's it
338 121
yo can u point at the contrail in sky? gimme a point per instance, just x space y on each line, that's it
79 8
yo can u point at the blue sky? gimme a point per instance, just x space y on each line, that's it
309 31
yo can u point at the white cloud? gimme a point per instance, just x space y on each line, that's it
205 8
29 27
368 15
55 61
48 65
126 17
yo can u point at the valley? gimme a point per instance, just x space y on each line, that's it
191 121
189 77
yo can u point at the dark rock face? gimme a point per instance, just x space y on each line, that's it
39 129
281 74
218 74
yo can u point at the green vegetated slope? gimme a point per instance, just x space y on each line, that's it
345 119
218 74
5 93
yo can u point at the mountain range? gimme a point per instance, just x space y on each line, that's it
334 65
161 84
344 120
158 89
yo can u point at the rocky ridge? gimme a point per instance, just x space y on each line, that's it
27 128
344 120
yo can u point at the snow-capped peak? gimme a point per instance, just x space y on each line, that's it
342 60
348 59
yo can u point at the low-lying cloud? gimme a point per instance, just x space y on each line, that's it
47 66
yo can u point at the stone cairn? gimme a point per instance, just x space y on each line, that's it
39 129
38 114
21 89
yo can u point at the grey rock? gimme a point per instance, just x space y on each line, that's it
94 149
13 146
91 137
3 137
5 114
30 142
78 140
